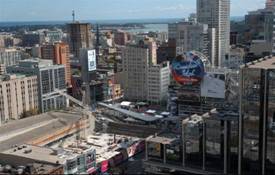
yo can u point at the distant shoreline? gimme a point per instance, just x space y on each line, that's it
102 22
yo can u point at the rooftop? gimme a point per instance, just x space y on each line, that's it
263 63
164 138
7 77
104 144
135 115
27 130
40 154
33 63
37 168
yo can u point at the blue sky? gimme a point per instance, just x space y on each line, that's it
43 10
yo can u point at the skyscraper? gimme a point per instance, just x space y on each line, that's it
80 37
270 4
216 13
59 53
144 79
257 117
192 36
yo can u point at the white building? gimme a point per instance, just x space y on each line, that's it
18 94
9 57
216 13
158 82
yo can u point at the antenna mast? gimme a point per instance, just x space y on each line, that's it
73 14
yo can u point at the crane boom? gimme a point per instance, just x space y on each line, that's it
86 113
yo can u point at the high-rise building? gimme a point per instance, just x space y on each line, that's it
51 80
120 37
18 94
158 82
216 13
135 61
60 54
190 36
165 53
80 37
270 4
257 117
30 39
9 57
53 36
273 35
139 67
206 144
259 25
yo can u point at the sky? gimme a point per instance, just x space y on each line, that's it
59 10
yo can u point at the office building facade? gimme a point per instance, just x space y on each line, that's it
60 54
144 79
257 117
120 37
158 82
30 39
201 147
270 4
189 36
18 94
135 61
216 13
53 36
80 37
51 79
259 25
9 57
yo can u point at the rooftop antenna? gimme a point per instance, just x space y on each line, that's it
73 14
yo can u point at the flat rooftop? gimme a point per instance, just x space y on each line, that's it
105 146
26 130
40 154
263 63
164 138
38 168
134 115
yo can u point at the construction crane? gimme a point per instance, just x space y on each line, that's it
86 112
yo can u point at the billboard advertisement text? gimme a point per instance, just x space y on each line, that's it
91 60
187 69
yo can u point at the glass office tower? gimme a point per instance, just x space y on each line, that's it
257 118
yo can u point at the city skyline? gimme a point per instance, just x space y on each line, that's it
108 9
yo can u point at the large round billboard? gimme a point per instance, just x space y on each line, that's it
187 69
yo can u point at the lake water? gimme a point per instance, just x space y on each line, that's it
150 27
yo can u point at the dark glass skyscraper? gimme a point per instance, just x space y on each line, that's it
257 118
